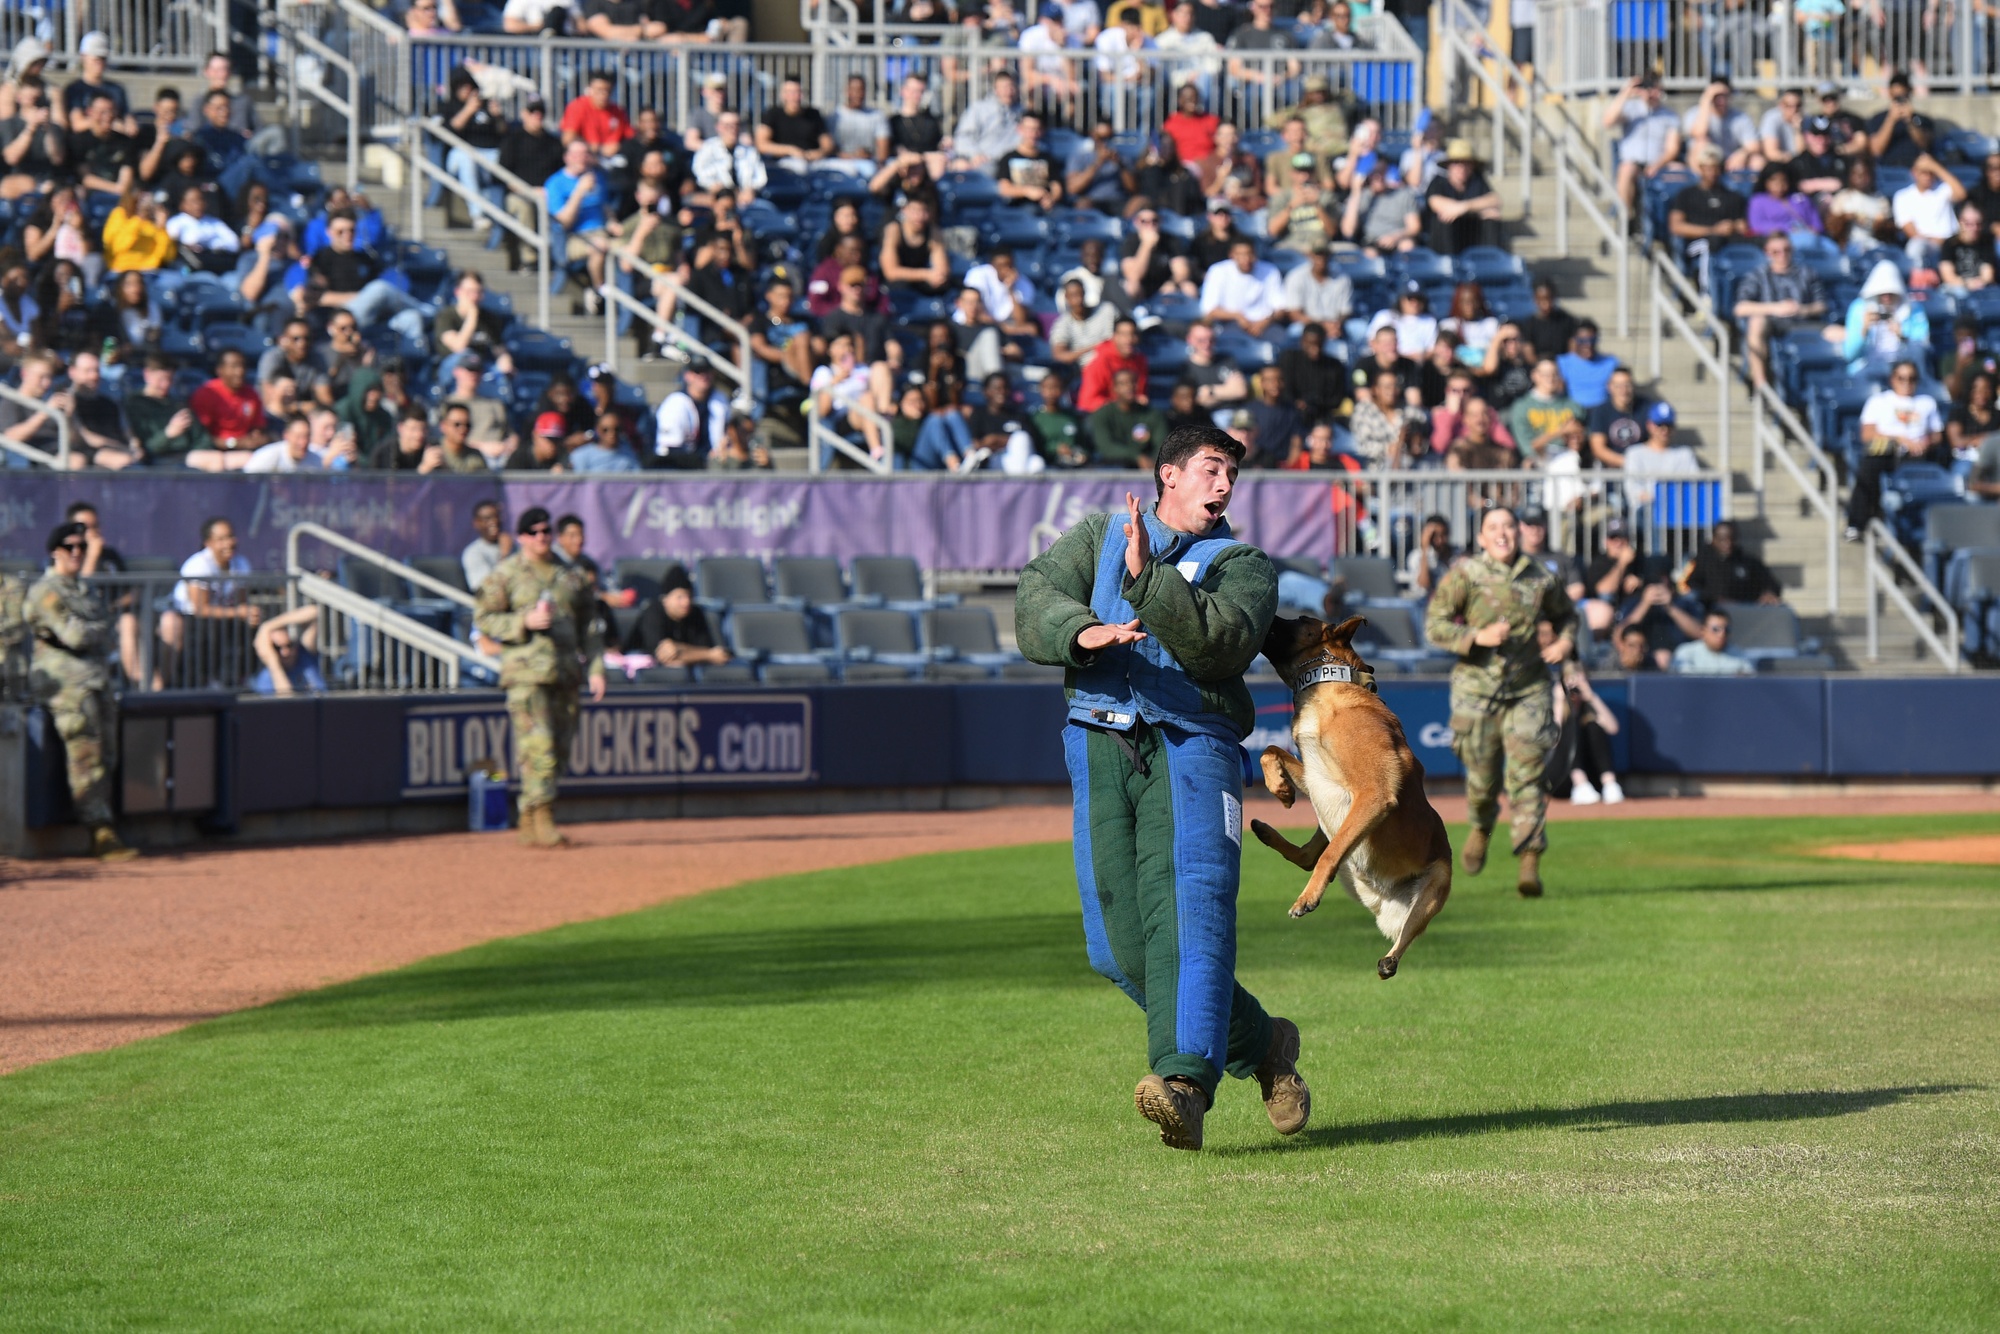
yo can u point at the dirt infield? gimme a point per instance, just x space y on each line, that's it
1981 851
93 956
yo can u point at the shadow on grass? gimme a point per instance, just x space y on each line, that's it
649 968
1722 1108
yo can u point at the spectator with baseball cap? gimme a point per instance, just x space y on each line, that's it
544 450
692 422
1382 214
94 57
1658 457
492 434
1609 578
533 152
1817 170
1899 134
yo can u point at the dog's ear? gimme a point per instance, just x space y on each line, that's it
1342 634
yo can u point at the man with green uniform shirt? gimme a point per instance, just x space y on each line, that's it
1125 433
70 677
1485 610
542 613
1156 617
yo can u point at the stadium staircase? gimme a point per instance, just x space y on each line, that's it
1780 522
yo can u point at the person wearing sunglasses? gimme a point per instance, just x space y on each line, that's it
542 614
70 676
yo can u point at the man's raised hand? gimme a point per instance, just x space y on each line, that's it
1104 636
1137 547
1492 635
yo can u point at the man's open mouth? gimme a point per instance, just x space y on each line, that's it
1214 508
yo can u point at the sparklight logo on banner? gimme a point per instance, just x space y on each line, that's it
628 743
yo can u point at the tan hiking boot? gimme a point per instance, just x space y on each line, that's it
546 833
1176 1106
104 845
1530 885
1474 855
526 833
1287 1100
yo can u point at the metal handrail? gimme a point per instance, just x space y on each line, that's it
818 433
1668 313
616 299
60 459
1882 579
446 652
346 107
389 564
422 167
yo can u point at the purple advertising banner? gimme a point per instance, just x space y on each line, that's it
944 523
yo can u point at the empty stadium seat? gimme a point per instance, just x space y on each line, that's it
447 570
731 580
778 641
964 644
1368 576
890 578
877 644
1950 527
1758 631
812 580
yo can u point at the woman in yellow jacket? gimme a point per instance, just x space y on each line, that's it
135 236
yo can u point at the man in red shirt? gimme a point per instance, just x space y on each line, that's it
596 119
1120 352
1190 127
228 408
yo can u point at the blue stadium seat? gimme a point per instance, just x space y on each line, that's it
1423 264
784 188
1973 589
1950 528
1909 492
1487 264
227 337
878 644
1075 226
1016 229
536 349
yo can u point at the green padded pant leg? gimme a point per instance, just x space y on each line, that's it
1158 855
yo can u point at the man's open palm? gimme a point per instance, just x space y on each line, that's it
1137 545
1104 636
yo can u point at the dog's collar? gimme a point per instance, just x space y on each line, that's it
1322 672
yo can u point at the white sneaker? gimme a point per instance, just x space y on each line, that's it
1613 794
1583 794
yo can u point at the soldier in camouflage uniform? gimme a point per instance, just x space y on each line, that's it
1485 610
13 640
541 613
72 679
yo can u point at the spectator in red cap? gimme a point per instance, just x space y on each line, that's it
542 451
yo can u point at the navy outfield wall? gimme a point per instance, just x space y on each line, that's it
334 752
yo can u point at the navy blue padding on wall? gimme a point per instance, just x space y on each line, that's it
1008 732
1727 725
361 750
277 754
1914 726
883 736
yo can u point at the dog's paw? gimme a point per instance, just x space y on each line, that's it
1306 903
1385 968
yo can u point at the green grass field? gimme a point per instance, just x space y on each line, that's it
1710 1082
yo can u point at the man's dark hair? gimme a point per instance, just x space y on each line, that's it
1546 285
209 525
95 98
412 413
485 505
531 518
1507 510
77 507
602 76
1123 320
1717 614
229 352
1183 444
1590 326
167 95
213 94
334 215
569 521
160 362
450 408
1631 630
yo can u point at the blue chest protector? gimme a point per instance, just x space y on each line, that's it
1143 680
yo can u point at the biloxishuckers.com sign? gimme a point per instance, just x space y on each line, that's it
630 742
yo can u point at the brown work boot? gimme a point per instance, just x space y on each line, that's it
1287 1100
104 845
1176 1106
546 833
527 826
1474 855
1530 885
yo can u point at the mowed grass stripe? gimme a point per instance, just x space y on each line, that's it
1713 1081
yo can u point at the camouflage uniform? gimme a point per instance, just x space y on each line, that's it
540 669
13 640
1501 718
70 678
